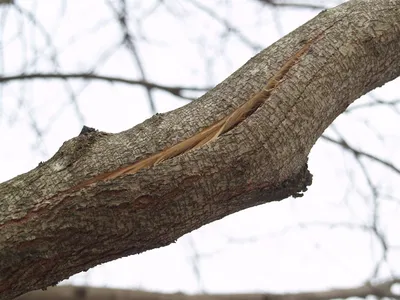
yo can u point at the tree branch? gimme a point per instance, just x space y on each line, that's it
291 4
176 91
381 290
342 143
70 214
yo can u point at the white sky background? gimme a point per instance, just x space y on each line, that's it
259 249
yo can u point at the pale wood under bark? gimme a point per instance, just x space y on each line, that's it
50 230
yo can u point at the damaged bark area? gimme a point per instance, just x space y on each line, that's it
208 134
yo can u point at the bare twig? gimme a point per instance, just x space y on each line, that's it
382 289
356 152
174 90
291 4
229 27
128 40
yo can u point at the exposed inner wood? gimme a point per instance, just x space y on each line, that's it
212 132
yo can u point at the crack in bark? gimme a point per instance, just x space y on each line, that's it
212 132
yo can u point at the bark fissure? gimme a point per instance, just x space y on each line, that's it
212 132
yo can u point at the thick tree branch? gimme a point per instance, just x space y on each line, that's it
69 214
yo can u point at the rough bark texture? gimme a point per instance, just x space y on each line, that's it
49 230
380 290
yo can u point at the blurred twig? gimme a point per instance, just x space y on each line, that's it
174 90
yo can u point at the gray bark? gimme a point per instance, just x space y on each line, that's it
51 230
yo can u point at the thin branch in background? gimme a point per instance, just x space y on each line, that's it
195 263
393 104
146 13
228 26
101 60
3 21
375 220
93 30
356 152
380 289
375 231
174 90
302 225
276 3
128 40
53 57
